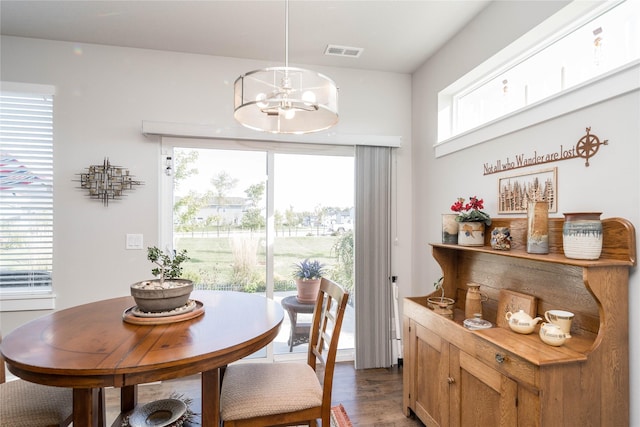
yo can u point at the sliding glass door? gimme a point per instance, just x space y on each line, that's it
219 217
314 217
246 215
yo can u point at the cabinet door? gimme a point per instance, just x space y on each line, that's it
481 396
431 369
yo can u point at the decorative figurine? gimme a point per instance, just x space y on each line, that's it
501 238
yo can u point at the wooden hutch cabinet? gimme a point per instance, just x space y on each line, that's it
457 377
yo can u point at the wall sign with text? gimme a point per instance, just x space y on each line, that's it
586 148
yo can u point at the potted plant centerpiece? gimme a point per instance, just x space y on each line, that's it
307 275
471 221
168 292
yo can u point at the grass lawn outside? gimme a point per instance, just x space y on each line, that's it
226 260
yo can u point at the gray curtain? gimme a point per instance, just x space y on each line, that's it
373 294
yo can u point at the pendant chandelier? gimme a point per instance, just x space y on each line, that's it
285 99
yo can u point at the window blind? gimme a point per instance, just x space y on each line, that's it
373 257
26 191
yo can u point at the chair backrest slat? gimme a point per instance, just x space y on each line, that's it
3 377
323 340
319 357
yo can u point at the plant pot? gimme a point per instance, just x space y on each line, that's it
434 302
307 290
441 305
471 233
153 297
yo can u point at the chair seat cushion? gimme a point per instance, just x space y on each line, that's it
257 389
25 404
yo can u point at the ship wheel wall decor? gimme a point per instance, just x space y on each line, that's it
107 182
588 146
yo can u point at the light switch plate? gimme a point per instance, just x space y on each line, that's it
134 241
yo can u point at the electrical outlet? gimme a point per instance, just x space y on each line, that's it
134 241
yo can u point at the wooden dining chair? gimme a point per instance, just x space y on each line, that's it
25 404
277 394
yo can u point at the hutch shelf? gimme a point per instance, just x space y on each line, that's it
454 376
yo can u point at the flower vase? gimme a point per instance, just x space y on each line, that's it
538 228
449 229
471 233
582 235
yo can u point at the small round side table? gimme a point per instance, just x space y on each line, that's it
299 331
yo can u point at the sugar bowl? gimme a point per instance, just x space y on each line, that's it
553 334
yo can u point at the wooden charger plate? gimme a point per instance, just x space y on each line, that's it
129 317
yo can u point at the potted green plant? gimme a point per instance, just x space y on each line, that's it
471 221
168 292
441 305
307 275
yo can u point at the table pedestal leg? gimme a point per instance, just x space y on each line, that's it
89 407
128 398
211 398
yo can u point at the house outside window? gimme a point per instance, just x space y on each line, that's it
26 196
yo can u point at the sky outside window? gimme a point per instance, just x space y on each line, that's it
301 181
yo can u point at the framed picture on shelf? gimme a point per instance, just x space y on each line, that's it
515 191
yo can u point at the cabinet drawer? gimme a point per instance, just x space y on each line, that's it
507 363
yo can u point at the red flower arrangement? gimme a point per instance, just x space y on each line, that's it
471 212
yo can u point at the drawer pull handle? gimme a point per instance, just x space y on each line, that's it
500 358
450 380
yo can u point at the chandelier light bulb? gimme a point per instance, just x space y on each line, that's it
261 100
309 97
289 113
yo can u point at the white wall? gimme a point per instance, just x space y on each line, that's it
611 184
102 96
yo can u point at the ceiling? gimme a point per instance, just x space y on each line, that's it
396 36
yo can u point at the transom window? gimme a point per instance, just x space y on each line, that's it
591 46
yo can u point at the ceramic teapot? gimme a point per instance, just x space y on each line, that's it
552 334
521 322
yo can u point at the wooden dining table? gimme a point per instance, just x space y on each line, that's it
90 347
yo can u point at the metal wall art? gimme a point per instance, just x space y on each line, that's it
515 192
586 148
107 182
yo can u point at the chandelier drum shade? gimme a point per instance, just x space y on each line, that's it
285 99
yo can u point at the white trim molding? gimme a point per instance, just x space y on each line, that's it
192 130
27 87
23 301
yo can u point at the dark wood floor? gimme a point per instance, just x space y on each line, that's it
372 397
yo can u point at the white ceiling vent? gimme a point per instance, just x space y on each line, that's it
351 52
